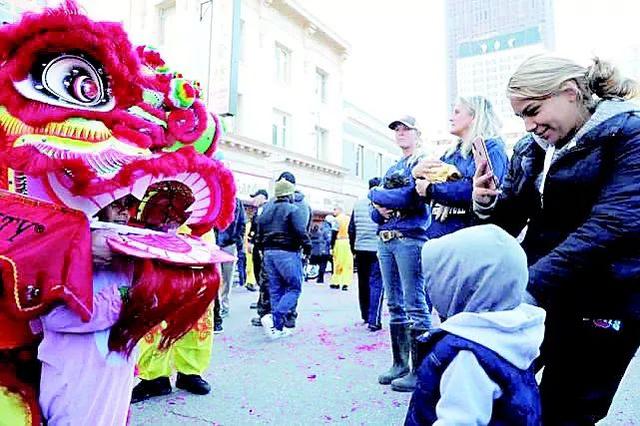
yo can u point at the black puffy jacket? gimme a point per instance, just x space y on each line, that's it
583 241
282 226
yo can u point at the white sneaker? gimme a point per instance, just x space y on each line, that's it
274 333
267 323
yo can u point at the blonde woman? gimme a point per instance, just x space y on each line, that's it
574 180
471 117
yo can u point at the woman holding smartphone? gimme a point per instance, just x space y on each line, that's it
473 118
574 181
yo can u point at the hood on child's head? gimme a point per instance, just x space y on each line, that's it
476 269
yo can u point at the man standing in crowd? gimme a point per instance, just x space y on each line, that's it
363 239
321 248
282 234
306 212
258 199
227 240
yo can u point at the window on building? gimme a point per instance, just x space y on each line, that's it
321 142
283 64
167 22
359 161
321 85
280 128
379 164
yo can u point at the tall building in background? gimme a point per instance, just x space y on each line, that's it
486 41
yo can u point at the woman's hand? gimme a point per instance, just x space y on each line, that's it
484 187
423 167
384 212
421 186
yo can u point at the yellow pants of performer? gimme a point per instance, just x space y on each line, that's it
14 410
189 355
251 279
342 263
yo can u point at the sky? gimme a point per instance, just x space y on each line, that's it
397 61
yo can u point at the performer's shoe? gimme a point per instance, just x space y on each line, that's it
193 383
251 287
334 286
345 288
375 327
217 329
151 388
256 321
253 306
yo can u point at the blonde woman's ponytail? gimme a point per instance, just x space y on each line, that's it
605 81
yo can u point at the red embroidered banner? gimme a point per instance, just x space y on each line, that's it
45 257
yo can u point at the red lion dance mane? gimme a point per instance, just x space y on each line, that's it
87 119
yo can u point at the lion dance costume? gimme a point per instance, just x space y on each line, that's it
87 119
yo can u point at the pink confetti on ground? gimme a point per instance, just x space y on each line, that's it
311 377
370 348
326 338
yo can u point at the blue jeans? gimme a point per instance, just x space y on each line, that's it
284 275
400 265
376 294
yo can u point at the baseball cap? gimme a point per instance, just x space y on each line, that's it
287 176
407 120
260 192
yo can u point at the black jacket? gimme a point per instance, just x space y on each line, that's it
582 242
282 226
234 233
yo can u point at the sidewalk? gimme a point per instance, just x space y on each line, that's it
325 374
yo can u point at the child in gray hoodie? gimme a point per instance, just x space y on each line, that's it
477 367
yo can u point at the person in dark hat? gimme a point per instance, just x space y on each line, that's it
403 218
305 209
282 234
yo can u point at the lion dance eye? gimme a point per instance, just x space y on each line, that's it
70 81
82 87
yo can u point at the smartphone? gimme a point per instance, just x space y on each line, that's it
481 154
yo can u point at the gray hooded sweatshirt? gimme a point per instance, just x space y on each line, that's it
476 279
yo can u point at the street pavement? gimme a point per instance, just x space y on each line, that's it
326 373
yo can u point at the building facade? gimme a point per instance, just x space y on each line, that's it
282 72
368 148
486 41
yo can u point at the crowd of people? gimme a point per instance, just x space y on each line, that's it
526 261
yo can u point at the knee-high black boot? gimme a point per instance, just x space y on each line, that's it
408 382
400 348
